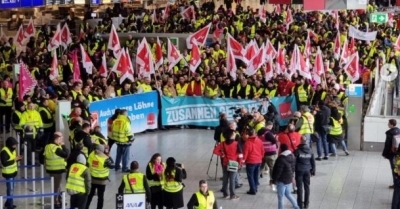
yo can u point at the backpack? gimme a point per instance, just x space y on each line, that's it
395 142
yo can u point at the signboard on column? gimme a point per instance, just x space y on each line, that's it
129 201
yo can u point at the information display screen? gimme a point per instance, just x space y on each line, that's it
10 4
32 3
95 2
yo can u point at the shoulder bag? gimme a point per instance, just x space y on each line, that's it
233 165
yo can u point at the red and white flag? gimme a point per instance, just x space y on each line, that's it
318 69
352 46
55 41
195 59
269 70
251 51
344 57
280 60
336 20
218 31
231 64
86 61
75 63
307 47
256 62
19 37
198 38
121 65
189 13
336 46
237 49
303 65
173 55
66 38
159 58
54 72
277 9
26 81
113 41
129 72
103 67
144 59
166 12
289 18
262 14
30 30
352 67
270 51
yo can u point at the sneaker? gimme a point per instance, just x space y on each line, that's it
318 158
326 158
347 153
235 198
274 187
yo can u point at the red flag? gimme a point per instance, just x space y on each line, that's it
195 59
159 55
289 18
19 37
66 38
144 59
129 72
121 65
26 81
30 30
352 68
113 41
251 50
236 47
270 51
336 47
256 62
303 65
54 73
188 13
262 14
166 12
173 55
352 46
199 37
344 58
280 60
218 32
103 68
75 63
269 71
55 41
318 69
86 61
231 64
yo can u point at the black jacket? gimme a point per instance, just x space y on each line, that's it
4 157
322 118
304 159
387 150
85 139
283 168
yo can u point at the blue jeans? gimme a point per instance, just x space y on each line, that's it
253 171
228 178
284 190
123 152
308 137
333 146
10 192
322 143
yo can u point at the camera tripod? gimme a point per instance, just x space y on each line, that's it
216 165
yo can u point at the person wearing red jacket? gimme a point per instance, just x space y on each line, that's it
229 150
253 153
289 137
196 86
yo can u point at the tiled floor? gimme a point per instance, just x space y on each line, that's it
359 181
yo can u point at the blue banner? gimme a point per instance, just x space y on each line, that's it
202 111
32 3
142 111
10 4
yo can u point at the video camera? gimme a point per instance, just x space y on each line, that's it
237 111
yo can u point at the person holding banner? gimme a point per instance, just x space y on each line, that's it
9 160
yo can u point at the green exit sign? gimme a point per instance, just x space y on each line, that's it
378 17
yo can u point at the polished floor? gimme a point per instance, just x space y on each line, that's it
358 181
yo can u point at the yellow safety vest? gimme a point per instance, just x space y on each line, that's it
259 92
257 126
205 202
248 89
98 140
146 87
270 93
49 115
170 185
96 166
181 90
17 126
11 169
6 95
212 92
152 182
302 94
75 181
336 129
75 94
134 183
202 85
121 129
53 162
308 123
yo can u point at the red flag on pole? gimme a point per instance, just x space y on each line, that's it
26 81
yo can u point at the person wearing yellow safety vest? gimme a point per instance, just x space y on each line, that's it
32 125
145 86
212 90
203 199
78 183
305 123
122 134
98 137
48 121
9 161
76 90
6 103
135 182
302 92
125 90
55 155
181 87
83 137
169 89
335 134
319 95
154 172
258 121
16 117
99 166
243 90
196 86
172 184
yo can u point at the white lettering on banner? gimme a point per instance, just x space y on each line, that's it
133 117
137 106
143 105
192 114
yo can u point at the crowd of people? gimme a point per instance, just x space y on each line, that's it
284 151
